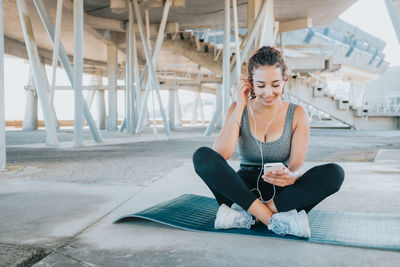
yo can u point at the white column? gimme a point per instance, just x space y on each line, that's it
41 83
78 72
52 108
237 44
100 99
136 79
171 108
178 113
201 108
112 73
2 108
31 111
101 110
226 58
131 90
55 50
127 82
31 106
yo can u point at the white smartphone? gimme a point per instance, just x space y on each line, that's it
269 167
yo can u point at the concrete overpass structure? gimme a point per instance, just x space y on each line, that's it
175 44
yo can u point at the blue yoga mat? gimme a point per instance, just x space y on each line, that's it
197 213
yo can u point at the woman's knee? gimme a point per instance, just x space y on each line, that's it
201 154
202 158
335 175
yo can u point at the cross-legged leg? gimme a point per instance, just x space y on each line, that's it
310 189
226 185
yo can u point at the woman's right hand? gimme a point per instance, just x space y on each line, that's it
242 92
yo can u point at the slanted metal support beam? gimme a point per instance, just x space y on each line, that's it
40 82
89 97
151 62
2 102
48 23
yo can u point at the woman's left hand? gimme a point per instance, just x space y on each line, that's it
280 178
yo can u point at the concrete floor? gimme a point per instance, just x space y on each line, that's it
60 202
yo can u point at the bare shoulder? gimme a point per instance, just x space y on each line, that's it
300 118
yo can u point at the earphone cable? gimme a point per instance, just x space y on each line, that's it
260 148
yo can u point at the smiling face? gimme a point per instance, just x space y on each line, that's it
268 84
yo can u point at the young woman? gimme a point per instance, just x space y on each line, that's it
268 129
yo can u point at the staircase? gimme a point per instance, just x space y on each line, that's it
336 107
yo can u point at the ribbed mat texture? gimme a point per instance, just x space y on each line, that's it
197 213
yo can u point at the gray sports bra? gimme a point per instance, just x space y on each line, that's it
275 151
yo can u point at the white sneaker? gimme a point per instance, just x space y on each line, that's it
291 223
228 218
245 212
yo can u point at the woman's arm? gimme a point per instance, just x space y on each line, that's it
227 138
299 143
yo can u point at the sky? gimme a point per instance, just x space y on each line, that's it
370 16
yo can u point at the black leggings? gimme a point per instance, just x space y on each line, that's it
229 186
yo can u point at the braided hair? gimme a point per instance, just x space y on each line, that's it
266 55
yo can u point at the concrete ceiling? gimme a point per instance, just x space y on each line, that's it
205 13
209 13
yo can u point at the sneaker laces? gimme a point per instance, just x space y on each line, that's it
242 221
279 227
247 214
232 218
